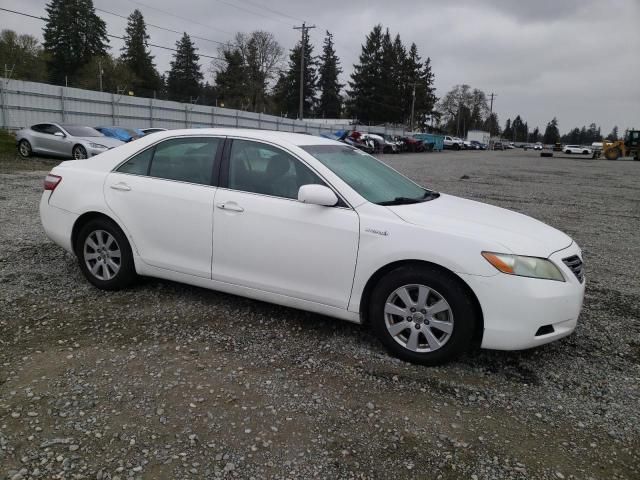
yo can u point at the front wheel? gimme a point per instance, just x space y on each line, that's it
567 151
104 255
24 148
422 315
79 152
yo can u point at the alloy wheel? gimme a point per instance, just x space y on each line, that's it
418 318
79 153
102 255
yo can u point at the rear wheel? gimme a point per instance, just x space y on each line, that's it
422 315
104 255
24 148
79 152
567 151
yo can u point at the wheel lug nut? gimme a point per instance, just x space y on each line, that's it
423 311
412 310
409 319
418 326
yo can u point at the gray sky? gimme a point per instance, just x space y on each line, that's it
574 59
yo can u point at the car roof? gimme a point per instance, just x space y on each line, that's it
298 139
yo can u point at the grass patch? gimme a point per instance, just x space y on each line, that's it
11 162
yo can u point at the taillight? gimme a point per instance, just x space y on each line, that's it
51 182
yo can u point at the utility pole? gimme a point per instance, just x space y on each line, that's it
413 105
491 117
100 73
304 29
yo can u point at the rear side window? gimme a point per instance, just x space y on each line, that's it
139 164
183 159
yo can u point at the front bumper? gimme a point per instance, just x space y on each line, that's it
515 308
92 152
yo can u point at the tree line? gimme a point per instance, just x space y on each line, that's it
390 83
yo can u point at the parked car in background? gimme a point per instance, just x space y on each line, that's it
147 131
476 145
537 146
121 133
453 143
577 149
413 144
498 146
332 230
67 141
509 145
392 144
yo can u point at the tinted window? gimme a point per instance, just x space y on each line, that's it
139 164
367 175
77 131
185 159
260 168
40 128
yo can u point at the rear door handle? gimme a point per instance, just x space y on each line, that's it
230 207
121 186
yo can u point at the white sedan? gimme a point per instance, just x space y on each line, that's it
577 149
318 225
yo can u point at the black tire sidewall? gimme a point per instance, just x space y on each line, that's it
80 147
23 142
127 273
450 288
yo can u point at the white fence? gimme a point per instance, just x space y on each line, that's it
27 103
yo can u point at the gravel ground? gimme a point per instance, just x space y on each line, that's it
171 381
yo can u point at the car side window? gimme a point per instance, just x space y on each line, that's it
261 168
188 159
50 129
138 164
39 128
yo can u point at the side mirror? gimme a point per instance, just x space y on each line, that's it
317 195
59 134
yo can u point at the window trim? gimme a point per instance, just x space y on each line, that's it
215 173
224 172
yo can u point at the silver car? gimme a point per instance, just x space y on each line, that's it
69 141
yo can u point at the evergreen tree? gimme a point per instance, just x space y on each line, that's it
365 85
137 58
492 125
183 81
330 102
287 90
507 133
73 35
535 136
551 133
231 81
613 136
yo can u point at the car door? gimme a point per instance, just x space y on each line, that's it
264 238
164 197
55 141
38 138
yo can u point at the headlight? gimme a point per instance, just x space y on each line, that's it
533 267
96 145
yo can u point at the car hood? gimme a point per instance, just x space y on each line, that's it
519 233
106 141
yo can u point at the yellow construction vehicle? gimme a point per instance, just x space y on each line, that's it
629 147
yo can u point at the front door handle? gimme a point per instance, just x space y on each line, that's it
121 186
230 207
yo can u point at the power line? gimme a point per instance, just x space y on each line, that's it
274 11
109 35
178 16
161 28
261 15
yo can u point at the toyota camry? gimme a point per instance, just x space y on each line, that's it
317 225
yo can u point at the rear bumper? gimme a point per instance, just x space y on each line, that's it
515 308
57 223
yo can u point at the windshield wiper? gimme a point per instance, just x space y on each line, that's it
428 195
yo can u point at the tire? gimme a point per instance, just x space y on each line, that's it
24 148
98 245
568 152
79 152
585 152
456 146
613 153
421 341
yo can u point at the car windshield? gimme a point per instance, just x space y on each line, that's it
77 131
368 176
